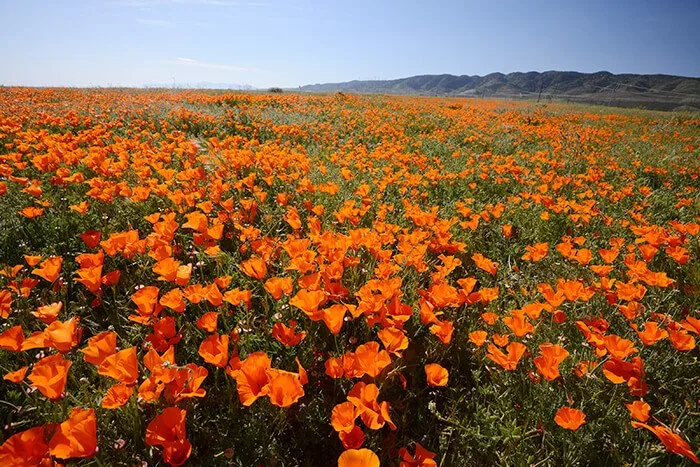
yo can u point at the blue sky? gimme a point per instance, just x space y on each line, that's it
290 43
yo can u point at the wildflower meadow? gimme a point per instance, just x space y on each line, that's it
279 279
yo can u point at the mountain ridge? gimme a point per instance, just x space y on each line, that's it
657 91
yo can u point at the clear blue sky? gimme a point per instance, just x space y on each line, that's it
290 43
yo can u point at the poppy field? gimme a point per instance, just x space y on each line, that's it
210 278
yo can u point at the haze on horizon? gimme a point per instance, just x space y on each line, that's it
291 43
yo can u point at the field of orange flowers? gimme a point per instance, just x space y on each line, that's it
210 278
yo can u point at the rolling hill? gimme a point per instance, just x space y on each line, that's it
658 92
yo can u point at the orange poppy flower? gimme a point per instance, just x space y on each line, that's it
278 286
183 274
368 359
501 340
651 334
533 310
89 260
353 439
507 230
619 371
122 366
619 347
648 251
212 294
76 437
428 315
160 250
358 458
63 336
691 324
146 300
252 377
334 367
548 361
173 299
166 269
582 368
287 335
394 340
631 309
49 375
679 254
90 277
478 337
208 321
671 441
509 361
48 313
100 347
308 302
223 281
554 299
681 340
443 330
466 285
164 334
81 208
187 383
36 341
196 221
111 278
639 410
238 297
630 292
12 338
284 388
343 417
50 268
489 317
421 458
601 271
16 376
27 448
333 317
214 349
485 264
255 267
583 256
443 295
32 260
91 238
117 396
31 212
374 414
12 272
301 371
608 255
518 323
569 418
436 374
168 430
574 290
536 252
487 294
5 303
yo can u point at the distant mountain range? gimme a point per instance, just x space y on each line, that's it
659 92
